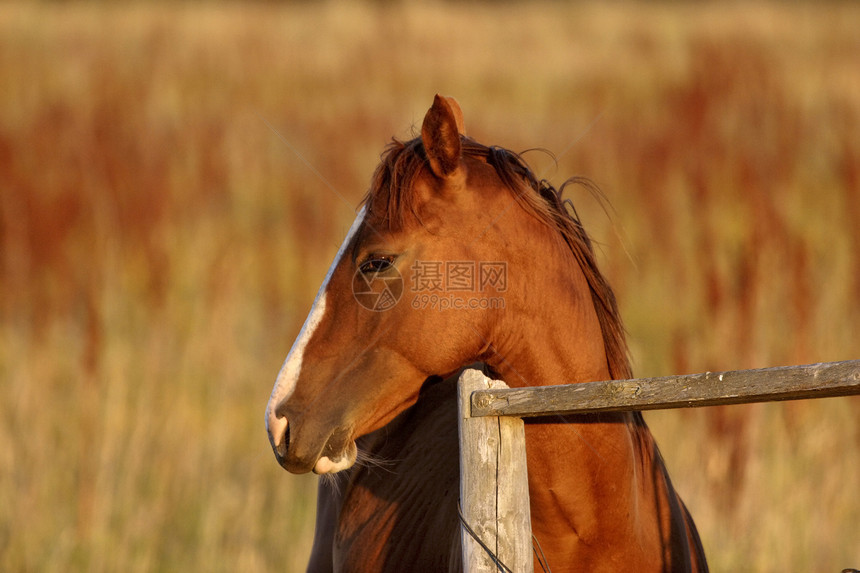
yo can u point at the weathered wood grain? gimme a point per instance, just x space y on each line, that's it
707 389
494 494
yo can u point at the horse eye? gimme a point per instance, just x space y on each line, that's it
376 264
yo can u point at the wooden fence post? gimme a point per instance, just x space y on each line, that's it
494 494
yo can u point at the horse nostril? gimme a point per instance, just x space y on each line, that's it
279 435
284 445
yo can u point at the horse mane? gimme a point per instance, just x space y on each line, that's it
390 196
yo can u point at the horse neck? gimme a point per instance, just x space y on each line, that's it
576 463
549 332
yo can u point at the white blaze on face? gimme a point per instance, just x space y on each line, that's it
289 374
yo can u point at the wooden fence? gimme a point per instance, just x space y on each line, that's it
496 532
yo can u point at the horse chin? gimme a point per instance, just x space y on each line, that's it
326 465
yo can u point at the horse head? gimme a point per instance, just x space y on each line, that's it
422 285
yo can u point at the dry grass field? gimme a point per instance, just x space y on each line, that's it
160 246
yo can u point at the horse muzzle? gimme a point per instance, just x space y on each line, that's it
337 452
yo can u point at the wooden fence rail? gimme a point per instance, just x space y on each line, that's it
493 478
693 390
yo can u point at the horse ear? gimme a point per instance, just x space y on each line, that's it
440 134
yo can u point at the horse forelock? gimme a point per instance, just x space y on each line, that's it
391 201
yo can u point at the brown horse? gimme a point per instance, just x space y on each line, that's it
461 255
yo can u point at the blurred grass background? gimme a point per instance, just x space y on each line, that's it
161 246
